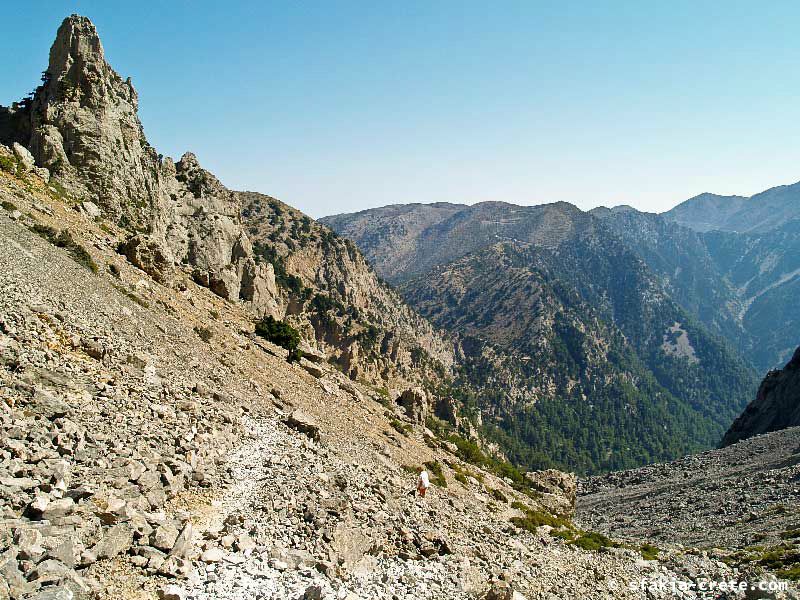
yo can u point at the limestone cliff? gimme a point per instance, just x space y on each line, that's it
777 405
179 221
329 290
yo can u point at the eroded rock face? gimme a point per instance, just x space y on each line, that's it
558 489
415 404
82 125
776 407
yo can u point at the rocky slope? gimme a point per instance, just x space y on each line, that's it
738 497
777 405
84 136
155 448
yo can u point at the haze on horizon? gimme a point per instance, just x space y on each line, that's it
339 107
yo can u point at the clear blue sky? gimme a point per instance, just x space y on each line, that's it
339 106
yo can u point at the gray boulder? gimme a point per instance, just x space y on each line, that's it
24 156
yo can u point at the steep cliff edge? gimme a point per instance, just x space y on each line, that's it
777 405
176 221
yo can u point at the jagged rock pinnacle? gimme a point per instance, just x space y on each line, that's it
76 44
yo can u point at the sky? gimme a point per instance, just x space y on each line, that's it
340 106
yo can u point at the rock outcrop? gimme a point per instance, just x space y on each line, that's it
776 407
82 126
414 403
558 489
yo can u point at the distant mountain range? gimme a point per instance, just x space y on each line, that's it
628 323
757 214
737 281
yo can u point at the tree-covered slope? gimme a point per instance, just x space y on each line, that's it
610 372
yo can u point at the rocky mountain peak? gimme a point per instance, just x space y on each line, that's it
200 182
82 125
77 53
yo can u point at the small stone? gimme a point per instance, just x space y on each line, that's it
60 592
164 537
58 508
212 555
48 571
115 541
172 592
184 542
312 369
91 210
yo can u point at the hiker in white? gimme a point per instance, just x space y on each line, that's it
423 483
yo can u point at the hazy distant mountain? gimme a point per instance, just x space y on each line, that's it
681 259
764 270
407 240
762 212
742 285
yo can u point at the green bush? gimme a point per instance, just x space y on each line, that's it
497 495
8 163
791 534
436 473
470 452
281 334
204 333
593 541
649 552
9 206
400 427
534 519
462 475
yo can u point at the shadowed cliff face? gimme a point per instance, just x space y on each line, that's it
777 405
